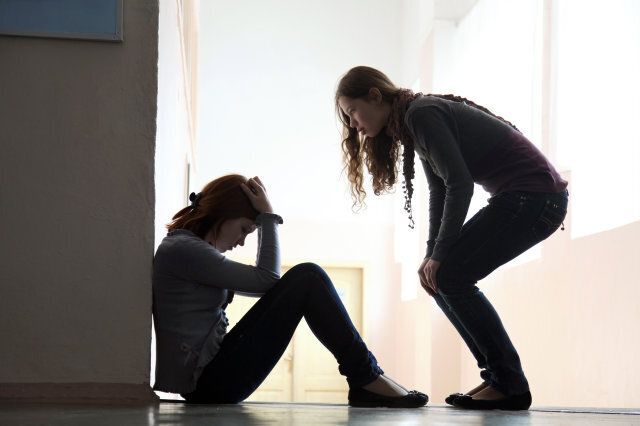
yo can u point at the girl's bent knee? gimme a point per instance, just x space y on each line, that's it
309 274
305 268
449 281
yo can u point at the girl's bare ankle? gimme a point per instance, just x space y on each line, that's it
478 388
384 386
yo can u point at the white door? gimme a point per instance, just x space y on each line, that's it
307 371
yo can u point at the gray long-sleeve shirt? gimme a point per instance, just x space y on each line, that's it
459 145
191 284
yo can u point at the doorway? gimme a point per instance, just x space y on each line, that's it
307 371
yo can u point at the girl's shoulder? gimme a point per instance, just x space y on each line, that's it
428 102
425 106
183 243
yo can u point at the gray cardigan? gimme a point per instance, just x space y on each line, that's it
191 284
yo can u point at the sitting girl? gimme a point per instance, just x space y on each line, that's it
193 283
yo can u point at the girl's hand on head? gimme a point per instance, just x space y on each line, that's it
257 194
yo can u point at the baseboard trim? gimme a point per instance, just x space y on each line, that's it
77 393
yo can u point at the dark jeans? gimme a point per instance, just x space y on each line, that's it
510 224
251 349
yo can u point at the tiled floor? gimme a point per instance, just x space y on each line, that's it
295 414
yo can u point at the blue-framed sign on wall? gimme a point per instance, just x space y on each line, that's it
77 19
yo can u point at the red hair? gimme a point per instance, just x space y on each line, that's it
221 199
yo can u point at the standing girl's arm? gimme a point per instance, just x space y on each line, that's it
429 127
437 194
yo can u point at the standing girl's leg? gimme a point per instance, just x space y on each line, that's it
508 226
466 337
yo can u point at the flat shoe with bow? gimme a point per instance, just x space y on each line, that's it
363 398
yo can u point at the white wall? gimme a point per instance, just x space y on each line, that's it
268 76
77 122
267 93
598 62
175 138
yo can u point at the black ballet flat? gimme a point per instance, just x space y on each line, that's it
363 398
452 397
449 400
515 402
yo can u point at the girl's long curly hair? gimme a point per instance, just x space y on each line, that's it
381 154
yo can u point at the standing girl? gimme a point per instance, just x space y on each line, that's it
458 143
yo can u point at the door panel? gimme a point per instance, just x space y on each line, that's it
308 372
